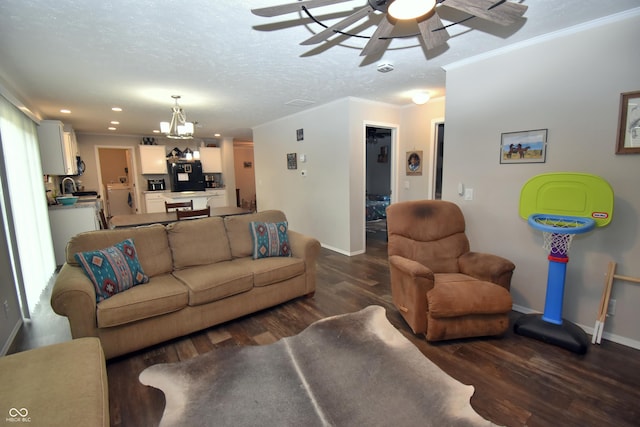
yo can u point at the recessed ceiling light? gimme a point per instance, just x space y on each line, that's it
114 122
116 109
111 128
156 131
216 135
65 111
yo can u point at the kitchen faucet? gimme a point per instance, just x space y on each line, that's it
73 185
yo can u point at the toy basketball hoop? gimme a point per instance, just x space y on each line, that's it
558 231
561 205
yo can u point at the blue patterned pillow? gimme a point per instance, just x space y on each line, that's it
269 239
113 269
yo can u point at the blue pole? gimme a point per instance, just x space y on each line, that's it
555 290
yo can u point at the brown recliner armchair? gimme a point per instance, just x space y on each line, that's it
440 287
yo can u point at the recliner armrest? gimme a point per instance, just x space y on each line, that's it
410 267
488 267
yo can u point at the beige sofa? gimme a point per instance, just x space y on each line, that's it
201 274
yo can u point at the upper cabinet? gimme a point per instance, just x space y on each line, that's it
211 159
58 148
153 159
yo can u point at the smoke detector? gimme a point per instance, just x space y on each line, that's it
385 67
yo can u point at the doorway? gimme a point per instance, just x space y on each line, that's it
116 180
438 160
378 180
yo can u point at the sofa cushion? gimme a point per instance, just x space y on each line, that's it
269 239
267 271
112 270
207 283
163 294
151 244
198 242
237 227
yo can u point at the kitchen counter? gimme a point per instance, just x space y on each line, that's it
178 194
83 202
67 221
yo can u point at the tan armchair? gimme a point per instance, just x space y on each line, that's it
440 287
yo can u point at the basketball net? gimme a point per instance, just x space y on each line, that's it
558 243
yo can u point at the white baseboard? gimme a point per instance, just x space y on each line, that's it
340 251
12 336
588 329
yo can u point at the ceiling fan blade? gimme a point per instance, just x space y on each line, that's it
433 38
505 13
376 43
292 7
329 31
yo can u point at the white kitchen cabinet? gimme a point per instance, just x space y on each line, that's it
58 149
154 202
213 198
66 222
211 158
217 198
153 159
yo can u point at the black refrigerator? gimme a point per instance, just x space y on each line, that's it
187 176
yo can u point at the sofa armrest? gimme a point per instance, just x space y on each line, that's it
307 248
410 282
489 267
74 296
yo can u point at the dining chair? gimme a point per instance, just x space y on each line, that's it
177 205
194 213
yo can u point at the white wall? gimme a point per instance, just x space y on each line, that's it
569 84
418 134
329 202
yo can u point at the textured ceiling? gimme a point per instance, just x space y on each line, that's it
233 70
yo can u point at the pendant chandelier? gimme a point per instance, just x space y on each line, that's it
179 127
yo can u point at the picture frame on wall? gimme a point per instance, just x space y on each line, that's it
292 161
628 141
529 146
414 163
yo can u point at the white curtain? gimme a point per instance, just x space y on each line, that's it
24 206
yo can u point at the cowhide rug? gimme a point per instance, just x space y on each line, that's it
349 370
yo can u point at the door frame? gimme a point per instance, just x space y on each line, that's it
133 162
393 154
433 166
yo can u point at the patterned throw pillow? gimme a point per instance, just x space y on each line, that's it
269 239
113 269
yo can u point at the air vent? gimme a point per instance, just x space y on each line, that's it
299 103
385 67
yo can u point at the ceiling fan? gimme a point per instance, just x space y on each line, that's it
432 31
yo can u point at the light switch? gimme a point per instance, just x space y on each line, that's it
406 185
303 158
468 193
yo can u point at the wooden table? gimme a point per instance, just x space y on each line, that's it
134 220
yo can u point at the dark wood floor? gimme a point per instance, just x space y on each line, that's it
518 381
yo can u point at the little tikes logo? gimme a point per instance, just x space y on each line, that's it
18 416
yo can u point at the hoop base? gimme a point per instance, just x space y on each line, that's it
567 335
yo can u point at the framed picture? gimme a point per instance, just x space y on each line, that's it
629 124
299 134
529 146
414 163
292 161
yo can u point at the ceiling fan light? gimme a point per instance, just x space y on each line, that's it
410 9
421 98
